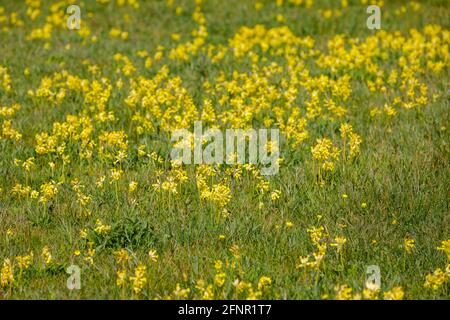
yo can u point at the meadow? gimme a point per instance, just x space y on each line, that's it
359 208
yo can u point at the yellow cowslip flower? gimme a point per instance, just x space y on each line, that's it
280 18
99 183
219 194
395 293
328 166
208 293
148 63
343 292
338 243
9 132
139 280
10 232
275 195
354 144
5 79
390 111
115 33
46 255
34 194
101 228
345 129
175 36
436 279
48 191
83 233
409 244
446 248
121 278
121 256
116 174
235 251
24 262
371 293
90 253
20 190
7 273
263 283
142 54
141 150
324 152
132 186
83 199
241 286
8 112
218 265
153 255
374 112
178 10
316 234
219 279
180 293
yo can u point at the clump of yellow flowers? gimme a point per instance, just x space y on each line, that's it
438 277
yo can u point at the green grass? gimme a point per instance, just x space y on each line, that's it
402 172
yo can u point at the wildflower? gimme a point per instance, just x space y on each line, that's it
324 150
275 195
24 262
46 255
371 293
436 279
446 248
101 228
84 233
395 293
339 243
28 164
121 278
122 256
48 191
132 186
235 251
89 258
354 143
409 244
9 232
264 282
343 292
116 174
289 224
100 181
7 273
219 279
153 255
181 293
139 279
